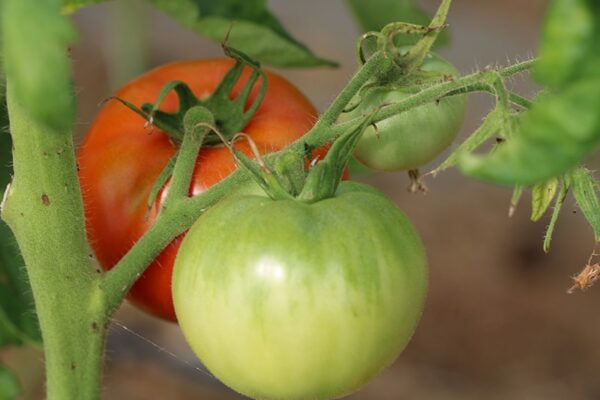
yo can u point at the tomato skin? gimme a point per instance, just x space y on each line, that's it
412 138
120 161
304 302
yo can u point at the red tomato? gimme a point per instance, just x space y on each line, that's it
120 160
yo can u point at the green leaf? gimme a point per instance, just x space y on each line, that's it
541 198
553 136
35 40
563 126
70 6
585 190
568 36
248 25
373 15
18 322
9 385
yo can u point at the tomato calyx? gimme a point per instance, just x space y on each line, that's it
404 62
290 180
222 113
230 114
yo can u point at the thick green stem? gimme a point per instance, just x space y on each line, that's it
43 207
171 222
377 63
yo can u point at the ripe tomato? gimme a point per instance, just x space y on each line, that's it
412 138
120 161
308 301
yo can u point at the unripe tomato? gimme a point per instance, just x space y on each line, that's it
120 160
412 138
295 301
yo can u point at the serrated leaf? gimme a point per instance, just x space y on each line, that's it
35 40
373 15
18 322
567 38
585 190
9 385
248 25
541 197
557 133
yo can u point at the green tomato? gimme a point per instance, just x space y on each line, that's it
289 300
413 138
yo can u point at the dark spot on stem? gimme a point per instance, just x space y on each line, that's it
45 199
94 326
72 365
98 271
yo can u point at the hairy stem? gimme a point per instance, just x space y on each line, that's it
44 209
376 63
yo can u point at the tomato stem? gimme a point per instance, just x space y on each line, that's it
431 94
44 209
197 122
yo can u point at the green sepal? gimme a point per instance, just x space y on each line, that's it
515 199
542 195
408 62
558 203
373 15
230 114
289 167
325 176
263 176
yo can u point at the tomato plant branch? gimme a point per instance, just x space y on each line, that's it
44 209
377 63
436 92
514 98
184 212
